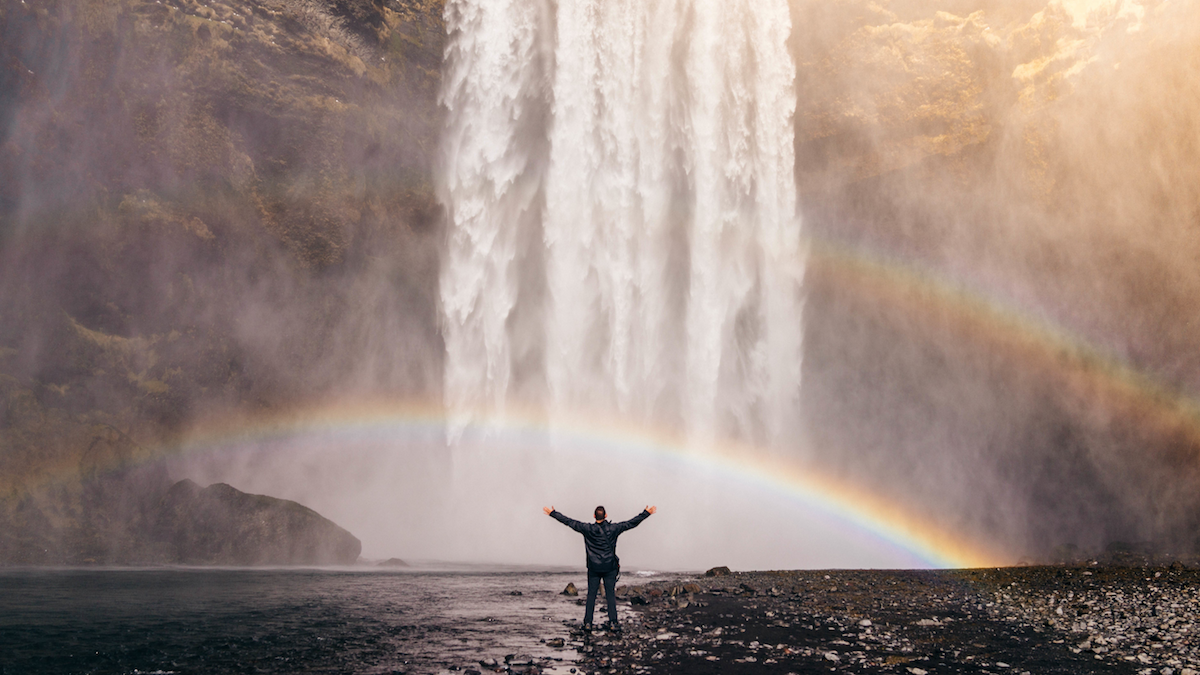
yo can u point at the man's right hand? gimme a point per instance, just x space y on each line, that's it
651 509
548 509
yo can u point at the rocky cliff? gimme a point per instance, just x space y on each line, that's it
1004 207
219 525
202 206
110 507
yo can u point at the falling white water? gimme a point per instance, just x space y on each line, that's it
623 235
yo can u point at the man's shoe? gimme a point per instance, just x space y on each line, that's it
587 628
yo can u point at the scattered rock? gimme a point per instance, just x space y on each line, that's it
718 572
570 590
1124 618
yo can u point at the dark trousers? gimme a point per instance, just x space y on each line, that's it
610 595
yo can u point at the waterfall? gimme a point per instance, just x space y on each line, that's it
622 235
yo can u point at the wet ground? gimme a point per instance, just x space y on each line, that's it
1036 620
206 621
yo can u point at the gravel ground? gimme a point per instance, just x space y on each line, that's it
1035 620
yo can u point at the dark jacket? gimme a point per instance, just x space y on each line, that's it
600 539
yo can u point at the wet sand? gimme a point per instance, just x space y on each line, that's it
1036 620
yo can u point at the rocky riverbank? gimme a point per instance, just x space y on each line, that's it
1048 619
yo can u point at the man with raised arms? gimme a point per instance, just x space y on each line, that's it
600 541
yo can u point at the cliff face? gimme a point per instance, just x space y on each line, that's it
202 205
1009 147
1004 208
186 185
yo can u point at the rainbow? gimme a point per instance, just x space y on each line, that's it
867 514
1078 371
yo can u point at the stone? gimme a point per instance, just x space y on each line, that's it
571 590
718 572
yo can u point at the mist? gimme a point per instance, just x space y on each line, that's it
967 286
486 505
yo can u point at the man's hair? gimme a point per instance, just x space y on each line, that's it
600 513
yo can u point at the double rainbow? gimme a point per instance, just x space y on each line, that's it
888 523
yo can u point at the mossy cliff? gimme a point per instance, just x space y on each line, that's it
198 200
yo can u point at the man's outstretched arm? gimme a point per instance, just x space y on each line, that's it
636 520
573 524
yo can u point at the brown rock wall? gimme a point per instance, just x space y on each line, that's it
195 198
